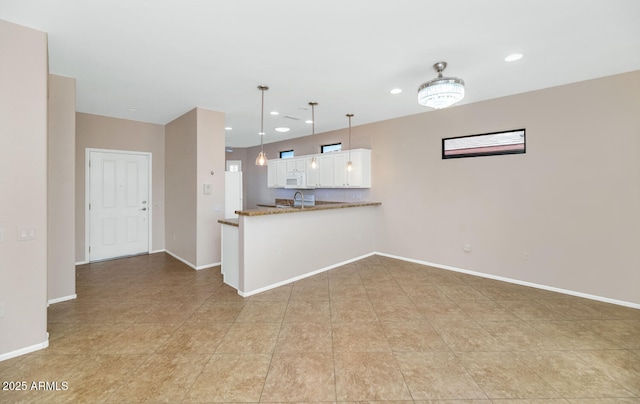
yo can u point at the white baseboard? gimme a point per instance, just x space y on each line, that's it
184 261
516 281
25 350
297 278
179 258
62 299
215 264
176 256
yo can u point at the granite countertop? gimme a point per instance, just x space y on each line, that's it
268 209
230 222
271 209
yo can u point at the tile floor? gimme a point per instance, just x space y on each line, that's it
151 329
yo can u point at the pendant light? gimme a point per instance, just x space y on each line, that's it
314 162
261 160
349 165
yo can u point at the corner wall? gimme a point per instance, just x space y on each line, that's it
195 149
180 181
23 190
210 170
61 269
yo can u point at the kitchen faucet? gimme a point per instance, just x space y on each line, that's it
301 199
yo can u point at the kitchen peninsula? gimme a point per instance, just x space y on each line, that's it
271 246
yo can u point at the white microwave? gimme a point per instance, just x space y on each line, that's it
295 180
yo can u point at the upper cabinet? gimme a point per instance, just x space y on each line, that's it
331 170
326 171
335 174
296 165
276 173
313 177
360 174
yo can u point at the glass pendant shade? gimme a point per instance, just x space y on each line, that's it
314 163
349 166
441 92
261 160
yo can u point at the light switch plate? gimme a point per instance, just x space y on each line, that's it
207 188
26 233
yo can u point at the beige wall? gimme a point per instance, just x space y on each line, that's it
180 182
101 132
571 202
61 270
210 159
195 148
23 189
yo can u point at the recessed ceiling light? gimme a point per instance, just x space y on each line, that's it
228 128
274 113
396 91
282 129
308 121
513 57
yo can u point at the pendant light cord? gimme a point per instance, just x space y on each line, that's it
313 125
262 158
262 120
349 116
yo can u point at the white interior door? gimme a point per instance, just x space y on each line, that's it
119 204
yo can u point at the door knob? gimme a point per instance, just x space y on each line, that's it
143 209
143 202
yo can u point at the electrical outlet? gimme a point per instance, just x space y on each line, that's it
467 248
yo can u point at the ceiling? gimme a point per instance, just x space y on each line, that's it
154 60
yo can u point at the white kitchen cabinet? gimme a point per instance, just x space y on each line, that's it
312 173
331 170
340 170
326 171
281 173
276 173
296 165
360 174
334 166
272 181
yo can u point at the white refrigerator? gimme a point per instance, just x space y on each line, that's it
232 193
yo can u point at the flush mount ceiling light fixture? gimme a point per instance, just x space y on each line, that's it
441 92
314 162
513 57
261 160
